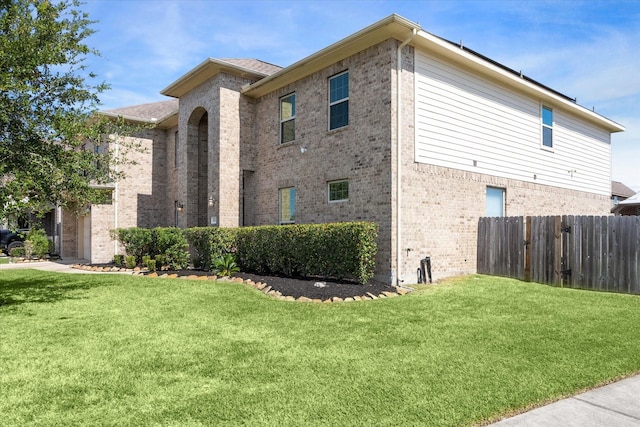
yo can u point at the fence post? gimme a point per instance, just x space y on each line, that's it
557 251
527 247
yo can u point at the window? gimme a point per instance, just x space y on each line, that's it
339 101
339 191
495 201
175 149
288 118
287 198
547 127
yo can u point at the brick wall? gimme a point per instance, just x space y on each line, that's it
360 152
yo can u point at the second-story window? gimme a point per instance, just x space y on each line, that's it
339 101
288 118
547 127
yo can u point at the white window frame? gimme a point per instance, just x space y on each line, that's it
504 199
338 181
292 118
544 126
280 219
336 102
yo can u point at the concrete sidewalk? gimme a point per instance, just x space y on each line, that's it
61 265
613 405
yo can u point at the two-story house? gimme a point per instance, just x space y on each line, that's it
391 124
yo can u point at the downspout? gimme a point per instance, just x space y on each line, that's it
115 200
399 155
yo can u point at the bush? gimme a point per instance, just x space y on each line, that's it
130 261
339 250
210 244
145 244
151 264
160 261
18 252
137 242
225 265
37 244
118 260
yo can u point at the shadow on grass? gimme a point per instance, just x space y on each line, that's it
40 290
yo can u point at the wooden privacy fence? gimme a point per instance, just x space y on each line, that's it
587 252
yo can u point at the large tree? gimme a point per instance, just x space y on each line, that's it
48 100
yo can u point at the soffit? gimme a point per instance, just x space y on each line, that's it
393 26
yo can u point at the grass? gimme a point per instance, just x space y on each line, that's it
4 260
120 350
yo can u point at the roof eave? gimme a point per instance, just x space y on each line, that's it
393 26
203 72
521 83
168 121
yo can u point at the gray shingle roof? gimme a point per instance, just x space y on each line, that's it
253 64
146 112
619 189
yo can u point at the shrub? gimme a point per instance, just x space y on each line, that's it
340 250
151 264
137 242
37 245
225 265
177 259
146 244
210 243
118 260
130 261
160 261
18 252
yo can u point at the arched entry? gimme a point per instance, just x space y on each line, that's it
197 168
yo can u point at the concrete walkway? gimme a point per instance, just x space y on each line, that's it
614 405
61 265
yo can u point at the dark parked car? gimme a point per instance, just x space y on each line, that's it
10 239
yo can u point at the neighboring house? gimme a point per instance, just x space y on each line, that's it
627 207
392 125
619 192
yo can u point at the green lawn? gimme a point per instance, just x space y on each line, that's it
120 350
4 260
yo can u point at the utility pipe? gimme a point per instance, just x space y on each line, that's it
399 155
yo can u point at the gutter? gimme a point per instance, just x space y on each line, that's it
399 156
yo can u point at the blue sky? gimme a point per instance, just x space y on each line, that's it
589 50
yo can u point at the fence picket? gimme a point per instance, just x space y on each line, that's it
600 253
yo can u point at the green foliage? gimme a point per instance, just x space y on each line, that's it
210 243
118 260
47 97
177 259
168 242
151 264
18 252
137 241
225 265
145 259
160 260
130 261
341 250
37 244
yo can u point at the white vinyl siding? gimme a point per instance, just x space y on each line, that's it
470 123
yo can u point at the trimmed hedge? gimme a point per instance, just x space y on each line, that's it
168 242
339 250
210 244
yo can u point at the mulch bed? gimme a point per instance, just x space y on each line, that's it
318 288
312 288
